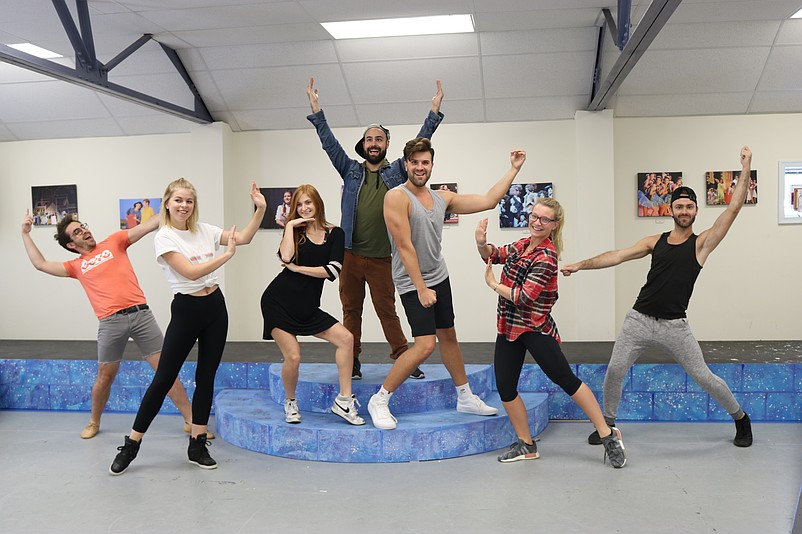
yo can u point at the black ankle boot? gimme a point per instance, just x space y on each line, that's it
198 454
743 432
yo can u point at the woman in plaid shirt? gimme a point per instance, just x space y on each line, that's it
527 292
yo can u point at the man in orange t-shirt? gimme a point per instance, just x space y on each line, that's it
108 278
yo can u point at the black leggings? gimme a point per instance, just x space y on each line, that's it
201 319
509 360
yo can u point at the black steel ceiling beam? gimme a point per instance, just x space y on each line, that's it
656 16
92 74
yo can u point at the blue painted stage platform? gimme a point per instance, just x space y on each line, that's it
429 427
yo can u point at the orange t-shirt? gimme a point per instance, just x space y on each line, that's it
107 276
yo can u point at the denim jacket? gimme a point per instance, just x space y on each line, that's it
353 171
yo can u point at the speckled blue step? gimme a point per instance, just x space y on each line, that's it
250 419
318 386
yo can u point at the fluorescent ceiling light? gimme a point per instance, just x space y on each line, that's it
34 50
797 15
354 29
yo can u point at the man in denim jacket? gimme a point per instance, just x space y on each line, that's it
367 245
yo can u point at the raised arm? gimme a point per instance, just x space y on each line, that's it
333 148
475 203
141 230
710 238
193 271
396 217
612 258
245 236
34 254
437 99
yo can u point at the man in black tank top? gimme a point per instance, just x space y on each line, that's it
658 316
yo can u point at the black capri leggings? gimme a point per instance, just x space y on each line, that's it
509 360
201 319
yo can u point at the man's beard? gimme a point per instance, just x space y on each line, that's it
682 224
375 160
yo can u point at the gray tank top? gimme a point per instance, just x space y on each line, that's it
427 233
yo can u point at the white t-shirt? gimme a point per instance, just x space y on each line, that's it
198 247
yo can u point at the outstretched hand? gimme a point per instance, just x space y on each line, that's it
232 241
746 156
481 233
311 92
517 158
438 98
490 278
27 222
257 197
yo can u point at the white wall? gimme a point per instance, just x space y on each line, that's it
592 162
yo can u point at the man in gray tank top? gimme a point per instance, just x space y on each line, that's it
414 215
658 316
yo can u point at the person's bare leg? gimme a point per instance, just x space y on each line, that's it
291 351
451 354
516 411
101 389
343 341
586 400
408 361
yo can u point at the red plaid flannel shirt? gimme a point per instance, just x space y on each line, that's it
533 279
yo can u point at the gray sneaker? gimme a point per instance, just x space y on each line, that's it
346 407
291 413
520 451
614 449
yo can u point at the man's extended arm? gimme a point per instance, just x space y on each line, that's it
141 230
710 238
35 255
476 203
611 258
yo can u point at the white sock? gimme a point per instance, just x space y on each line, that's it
384 394
464 392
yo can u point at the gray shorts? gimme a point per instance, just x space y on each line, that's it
113 333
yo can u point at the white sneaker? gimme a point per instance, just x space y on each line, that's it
345 407
379 411
291 413
475 405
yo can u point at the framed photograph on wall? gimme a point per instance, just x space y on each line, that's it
516 205
51 203
135 211
449 218
654 192
278 206
790 193
719 186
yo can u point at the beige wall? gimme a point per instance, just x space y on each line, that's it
592 162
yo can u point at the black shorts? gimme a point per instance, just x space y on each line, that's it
426 321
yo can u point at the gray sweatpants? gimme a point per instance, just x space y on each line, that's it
674 336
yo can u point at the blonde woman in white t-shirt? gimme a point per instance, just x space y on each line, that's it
186 250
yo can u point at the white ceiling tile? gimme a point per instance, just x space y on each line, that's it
328 11
268 55
716 35
147 124
530 75
62 129
411 47
48 101
276 119
678 105
169 87
776 102
535 109
404 81
538 41
790 32
276 33
232 16
530 20
695 71
782 71
723 11
6 134
503 6
414 113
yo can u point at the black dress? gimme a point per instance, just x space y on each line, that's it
292 300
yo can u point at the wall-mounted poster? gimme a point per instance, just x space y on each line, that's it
790 193
449 218
721 184
516 205
51 203
654 192
135 211
278 206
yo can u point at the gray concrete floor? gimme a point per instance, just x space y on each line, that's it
683 477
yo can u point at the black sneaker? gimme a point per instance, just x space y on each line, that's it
743 432
198 454
124 458
417 374
356 374
614 449
594 439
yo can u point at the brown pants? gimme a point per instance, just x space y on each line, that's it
377 274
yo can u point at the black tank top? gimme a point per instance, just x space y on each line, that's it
670 281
